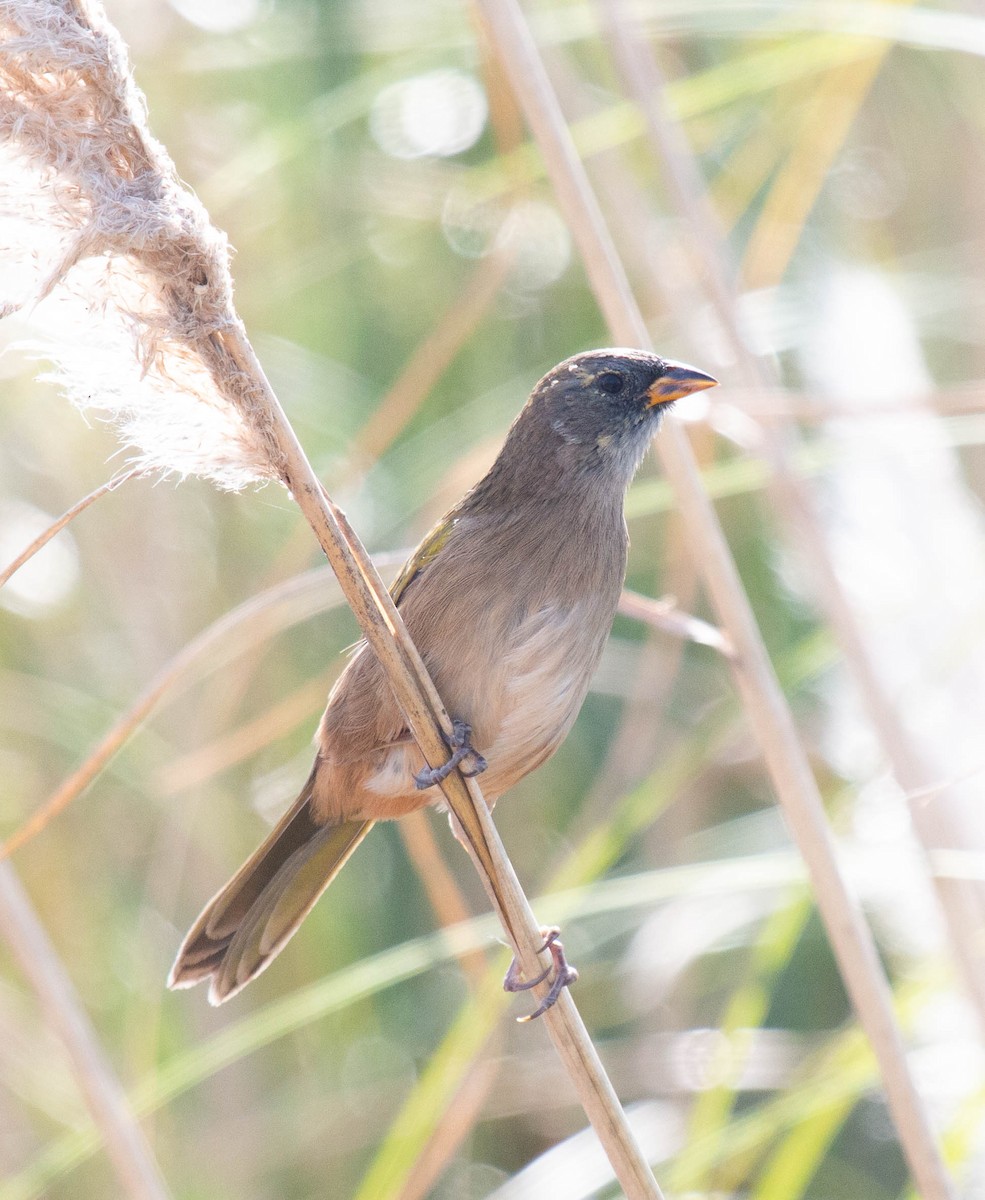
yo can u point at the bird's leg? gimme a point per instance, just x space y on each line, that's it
461 748
564 975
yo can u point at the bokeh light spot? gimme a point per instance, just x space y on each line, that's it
45 580
218 16
440 113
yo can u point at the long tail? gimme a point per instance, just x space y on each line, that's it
243 928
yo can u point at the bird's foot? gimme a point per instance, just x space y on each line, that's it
460 745
564 974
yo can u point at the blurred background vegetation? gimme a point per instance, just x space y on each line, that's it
405 275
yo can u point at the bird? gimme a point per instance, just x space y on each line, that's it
509 599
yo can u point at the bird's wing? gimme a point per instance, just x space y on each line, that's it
425 554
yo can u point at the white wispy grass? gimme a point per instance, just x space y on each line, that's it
93 214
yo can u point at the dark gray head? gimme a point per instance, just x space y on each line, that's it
596 412
584 430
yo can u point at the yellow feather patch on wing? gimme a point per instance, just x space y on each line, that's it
429 549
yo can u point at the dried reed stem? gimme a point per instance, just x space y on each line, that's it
269 612
172 268
668 618
759 688
428 721
131 1156
960 902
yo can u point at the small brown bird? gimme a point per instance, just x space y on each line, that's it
509 600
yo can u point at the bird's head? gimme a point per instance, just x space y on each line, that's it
603 406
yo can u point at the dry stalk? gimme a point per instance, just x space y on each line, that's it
131 1156
200 403
759 688
239 630
428 722
69 515
961 902
668 618
396 409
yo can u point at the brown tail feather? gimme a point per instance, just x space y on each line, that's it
246 925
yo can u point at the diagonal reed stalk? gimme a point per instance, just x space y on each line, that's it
68 516
131 1156
960 901
431 727
756 680
97 137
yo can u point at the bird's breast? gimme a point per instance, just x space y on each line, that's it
548 669
511 624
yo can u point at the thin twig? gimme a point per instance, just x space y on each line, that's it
666 616
762 696
132 1158
57 526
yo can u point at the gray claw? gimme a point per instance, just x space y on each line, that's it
461 748
564 975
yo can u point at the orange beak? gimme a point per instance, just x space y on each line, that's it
678 380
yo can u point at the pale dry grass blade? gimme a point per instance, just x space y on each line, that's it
235 633
666 616
824 127
941 592
133 1160
69 515
768 712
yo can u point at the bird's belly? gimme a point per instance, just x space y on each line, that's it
528 700
548 674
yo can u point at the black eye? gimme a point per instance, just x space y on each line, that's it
611 383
